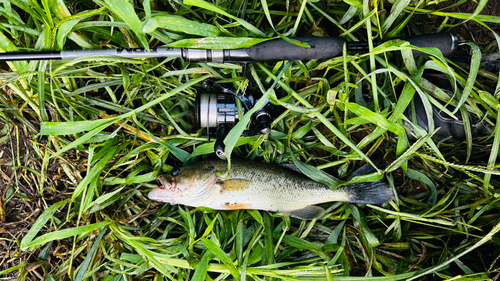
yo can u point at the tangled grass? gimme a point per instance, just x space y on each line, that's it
82 142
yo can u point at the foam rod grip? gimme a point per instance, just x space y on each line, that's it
447 43
279 49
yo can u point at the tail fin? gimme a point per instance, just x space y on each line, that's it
370 192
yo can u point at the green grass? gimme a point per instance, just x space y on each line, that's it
83 141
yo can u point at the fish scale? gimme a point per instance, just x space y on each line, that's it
273 188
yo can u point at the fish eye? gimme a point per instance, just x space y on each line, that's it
175 172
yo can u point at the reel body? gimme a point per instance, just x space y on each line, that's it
217 111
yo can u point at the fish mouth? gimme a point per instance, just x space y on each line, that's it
173 192
167 182
163 193
160 194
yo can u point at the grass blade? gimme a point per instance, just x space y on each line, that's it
202 268
85 265
125 10
180 24
217 43
416 175
209 6
377 119
494 153
479 243
75 127
65 233
474 67
223 257
396 11
40 222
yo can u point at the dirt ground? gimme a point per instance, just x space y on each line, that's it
16 215
21 201
472 31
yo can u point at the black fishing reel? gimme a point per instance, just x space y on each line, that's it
217 111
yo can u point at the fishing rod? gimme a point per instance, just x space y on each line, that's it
216 108
272 50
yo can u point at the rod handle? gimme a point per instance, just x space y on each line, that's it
447 43
279 49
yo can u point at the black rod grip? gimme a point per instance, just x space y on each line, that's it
279 49
447 43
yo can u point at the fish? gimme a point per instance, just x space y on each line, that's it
260 186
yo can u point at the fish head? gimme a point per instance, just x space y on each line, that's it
186 186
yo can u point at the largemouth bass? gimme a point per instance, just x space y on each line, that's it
261 186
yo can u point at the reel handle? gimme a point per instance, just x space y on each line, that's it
219 146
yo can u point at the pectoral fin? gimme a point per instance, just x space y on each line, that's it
234 184
307 213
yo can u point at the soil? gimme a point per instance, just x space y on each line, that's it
21 202
471 31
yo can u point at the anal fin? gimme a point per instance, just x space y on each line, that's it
307 213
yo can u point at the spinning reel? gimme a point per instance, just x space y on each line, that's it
216 110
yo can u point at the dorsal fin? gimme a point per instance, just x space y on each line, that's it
291 167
